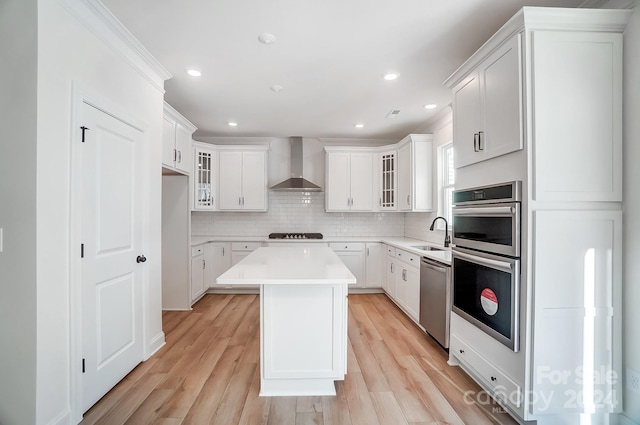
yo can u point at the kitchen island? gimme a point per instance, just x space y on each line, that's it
303 317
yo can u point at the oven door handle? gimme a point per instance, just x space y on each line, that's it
496 264
484 211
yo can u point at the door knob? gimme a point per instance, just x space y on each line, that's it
141 259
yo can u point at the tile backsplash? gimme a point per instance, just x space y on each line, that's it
297 212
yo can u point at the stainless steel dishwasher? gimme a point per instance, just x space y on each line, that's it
435 299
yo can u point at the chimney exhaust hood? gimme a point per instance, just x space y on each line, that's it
296 183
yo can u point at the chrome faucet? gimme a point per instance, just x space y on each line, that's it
447 240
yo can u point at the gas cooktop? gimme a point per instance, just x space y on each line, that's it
295 236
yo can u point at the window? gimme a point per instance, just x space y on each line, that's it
447 181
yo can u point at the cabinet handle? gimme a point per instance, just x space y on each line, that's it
408 199
475 142
204 264
240 200
175 155
494 379
480 133
404 275
243 201
223 251
461 351
179 157
391 267
380 202
367 252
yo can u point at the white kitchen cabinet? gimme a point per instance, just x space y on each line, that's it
176 141
407 278
243 179
353 256
198 265
487 106
415 173
373 265
390 263
218 261
349 180
388 196
205 177
240 250
562 74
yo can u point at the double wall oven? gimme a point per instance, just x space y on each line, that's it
486 259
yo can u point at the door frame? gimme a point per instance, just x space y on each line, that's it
81 95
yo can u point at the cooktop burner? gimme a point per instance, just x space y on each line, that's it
295 236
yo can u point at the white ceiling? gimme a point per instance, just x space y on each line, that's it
329 56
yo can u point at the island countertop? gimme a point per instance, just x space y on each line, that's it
288 265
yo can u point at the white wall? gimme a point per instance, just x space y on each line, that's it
631 208
18 34
69 53
416 225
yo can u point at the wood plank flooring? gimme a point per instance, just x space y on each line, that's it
208 373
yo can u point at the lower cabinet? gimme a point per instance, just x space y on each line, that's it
218 261
240 250
403 280
373 264
198 264
352 255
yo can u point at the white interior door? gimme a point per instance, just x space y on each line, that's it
111 243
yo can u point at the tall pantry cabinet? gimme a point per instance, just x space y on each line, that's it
555 124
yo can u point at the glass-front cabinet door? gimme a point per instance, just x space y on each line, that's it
205 160
388 184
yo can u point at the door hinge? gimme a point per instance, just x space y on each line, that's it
83 370
83 131
81 250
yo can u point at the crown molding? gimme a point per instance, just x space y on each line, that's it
100 21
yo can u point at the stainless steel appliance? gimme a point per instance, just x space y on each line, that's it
435 299
486 292
488 218
486 259
295 236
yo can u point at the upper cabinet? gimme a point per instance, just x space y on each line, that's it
242 178
176 141
396 177
349 182
415 173
487 106
388 194
205 176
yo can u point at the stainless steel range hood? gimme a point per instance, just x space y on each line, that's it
296 183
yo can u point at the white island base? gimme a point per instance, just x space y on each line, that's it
303 317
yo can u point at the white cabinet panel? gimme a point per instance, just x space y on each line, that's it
577 298
487 107
243 181
168 142
184 158
578 140
197 274
349 181
404 178
354 260
338 193
177 152
374 265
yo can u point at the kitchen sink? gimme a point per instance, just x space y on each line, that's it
429 248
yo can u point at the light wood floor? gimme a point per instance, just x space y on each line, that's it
208 373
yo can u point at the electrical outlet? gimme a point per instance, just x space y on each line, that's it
633 380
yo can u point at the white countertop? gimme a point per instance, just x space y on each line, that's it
407 244
288 265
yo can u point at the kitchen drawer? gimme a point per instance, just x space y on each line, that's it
501 386
245 246
408 257
347 246
197 250
391 251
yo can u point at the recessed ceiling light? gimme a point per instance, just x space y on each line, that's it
430 106
276 88
194 72
232 124
358 125
266 38
390 76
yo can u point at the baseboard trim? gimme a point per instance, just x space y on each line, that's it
156 343
64 418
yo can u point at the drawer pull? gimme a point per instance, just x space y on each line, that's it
461 351
494 379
